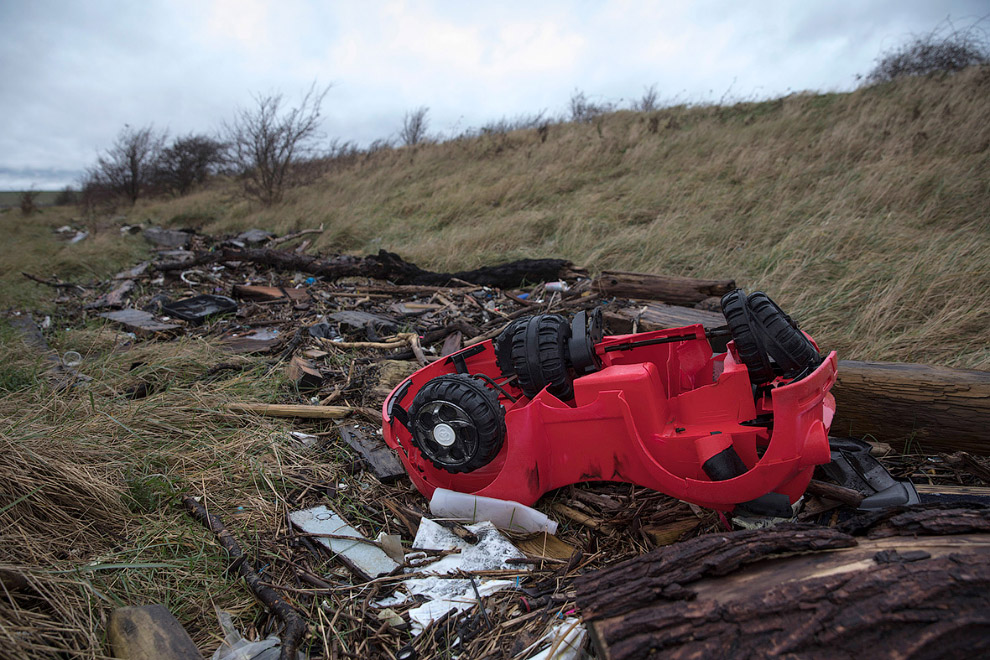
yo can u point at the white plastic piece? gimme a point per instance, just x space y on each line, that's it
491 552
360 555
504 514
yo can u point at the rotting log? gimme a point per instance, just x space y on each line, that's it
657 316
936 408
665 288
294 626
801 592
386 266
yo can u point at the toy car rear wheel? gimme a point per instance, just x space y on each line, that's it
457 423
539 356
786 344
745 333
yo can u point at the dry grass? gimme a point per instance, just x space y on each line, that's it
865 214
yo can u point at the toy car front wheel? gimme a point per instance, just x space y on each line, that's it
457 423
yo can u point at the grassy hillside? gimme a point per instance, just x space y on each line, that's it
864 213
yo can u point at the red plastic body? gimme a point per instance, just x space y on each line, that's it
652 415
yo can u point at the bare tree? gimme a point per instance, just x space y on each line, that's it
188 161
127 167
268 139
585 110
648 101
414 126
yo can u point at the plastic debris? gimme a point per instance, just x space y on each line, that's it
491 552
566 640
366 559
504 514
236 647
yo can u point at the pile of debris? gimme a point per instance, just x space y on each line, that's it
616 560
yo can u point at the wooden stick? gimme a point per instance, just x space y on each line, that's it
289 237
295 626
292 410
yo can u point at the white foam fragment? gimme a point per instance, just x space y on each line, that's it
363 557
566 640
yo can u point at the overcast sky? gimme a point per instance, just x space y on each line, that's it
74 72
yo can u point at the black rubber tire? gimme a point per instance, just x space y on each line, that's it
472 415
539 356
747 336
503 347
586 332
784 342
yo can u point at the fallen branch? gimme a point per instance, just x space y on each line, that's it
291 237
384 266
295 628
53 283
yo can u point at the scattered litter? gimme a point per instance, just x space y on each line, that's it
379 457
305 439
138 322
71 359
491 552
504 514
166 237
236 647
365 558
324 331
198 308
252 237
565 641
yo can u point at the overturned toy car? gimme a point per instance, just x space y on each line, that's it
551 403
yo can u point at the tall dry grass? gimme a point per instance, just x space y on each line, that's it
865 213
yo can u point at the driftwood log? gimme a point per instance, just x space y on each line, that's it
387 266
666 288
906 590
657 316
938 408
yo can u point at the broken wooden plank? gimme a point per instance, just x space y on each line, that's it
657 316
304 374
938 408
139 322
149 632
264 293
666 288
116 297
291 410
382 461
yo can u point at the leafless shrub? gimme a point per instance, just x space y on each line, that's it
267 140
583 110
414 126
188 161
649 101
127 168
67 196
28 202
379 145
944 50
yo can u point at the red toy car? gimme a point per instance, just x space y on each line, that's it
551 403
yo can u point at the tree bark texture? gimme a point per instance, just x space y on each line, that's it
385 266
657 316
798 591
665 288
938 408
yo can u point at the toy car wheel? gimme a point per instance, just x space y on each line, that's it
787 345
749 343
503 347
539 356
457 423
586 332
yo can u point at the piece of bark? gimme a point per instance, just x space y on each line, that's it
382 461
264 293
139 322
452 343
384 266
149 632
657 316
834 492
116 297
938 408
665 288
304 374
291 410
